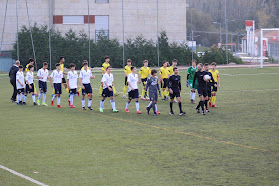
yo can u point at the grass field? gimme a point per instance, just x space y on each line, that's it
235 144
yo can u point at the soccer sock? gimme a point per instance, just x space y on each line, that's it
127 105
113 89
21 96
44 97
125 90
202 105
53 91
143 92
154 108
67 90
33 98
205 102
53 98
137 105
163 94
89 102
18 98
35 90
214 100
194 95
171 106
102 104
24 99
101 90
149 105
180 106
71 99
40 95
112 104
191 95
199 105
83 102
58 100
166 92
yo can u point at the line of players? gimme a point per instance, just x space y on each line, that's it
168 76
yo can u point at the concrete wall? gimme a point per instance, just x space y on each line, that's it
140 17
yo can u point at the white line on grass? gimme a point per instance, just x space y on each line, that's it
249 74
23 176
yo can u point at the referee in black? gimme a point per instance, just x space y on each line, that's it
174 87
12 75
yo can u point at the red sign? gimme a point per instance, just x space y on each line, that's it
249 23
264 47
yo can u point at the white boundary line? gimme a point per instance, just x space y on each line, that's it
23 176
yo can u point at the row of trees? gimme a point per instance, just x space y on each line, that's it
74 47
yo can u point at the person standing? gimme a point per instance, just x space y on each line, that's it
12 75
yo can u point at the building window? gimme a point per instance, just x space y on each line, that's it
73 19
102 1
101 27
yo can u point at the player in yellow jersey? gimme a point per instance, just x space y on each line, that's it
127 70
215 75
31 62
144 73
163 77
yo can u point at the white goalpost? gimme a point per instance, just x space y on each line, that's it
265 41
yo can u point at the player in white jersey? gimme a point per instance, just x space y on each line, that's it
84 79
29 85
56 82
20 84
133 90
107 81
72 82
42 75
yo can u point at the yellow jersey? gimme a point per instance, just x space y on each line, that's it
215 74
128 70
165 72
104 67
26 68
144 72
62 67
171 70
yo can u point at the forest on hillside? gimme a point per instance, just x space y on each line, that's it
205 12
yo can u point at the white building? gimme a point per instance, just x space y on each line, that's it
140 17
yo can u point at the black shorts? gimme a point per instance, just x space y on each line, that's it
126 83
153 96
21 90
202 91
87 89
57 88
209 91
144 81
73 91
43 86
133 94
164 85
64 81
176 93
107 93
29 90
213 88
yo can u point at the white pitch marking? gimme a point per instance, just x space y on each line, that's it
23 176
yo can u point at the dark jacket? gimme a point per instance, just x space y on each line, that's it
12 73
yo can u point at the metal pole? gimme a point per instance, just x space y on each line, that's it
226 22
158 50
31 36
4 26
192 32
231 42
49 34
88 35
123 46
221 33
17 42
261 48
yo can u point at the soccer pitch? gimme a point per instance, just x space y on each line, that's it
237 143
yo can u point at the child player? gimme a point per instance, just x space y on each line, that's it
62 60
190 78
144 73
127 71
20 84
29 85
174 86
133 90
164 76
56 83
42 75
84 79
153 85
216 78
208 85
31 62
72 83
107 81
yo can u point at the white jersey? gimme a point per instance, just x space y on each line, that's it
57 76
29 77
108 78
133 79
85 75
43 73
72 79
20 78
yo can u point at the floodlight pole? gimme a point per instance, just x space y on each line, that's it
226 22
261 48
17 42
49 35
123 46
